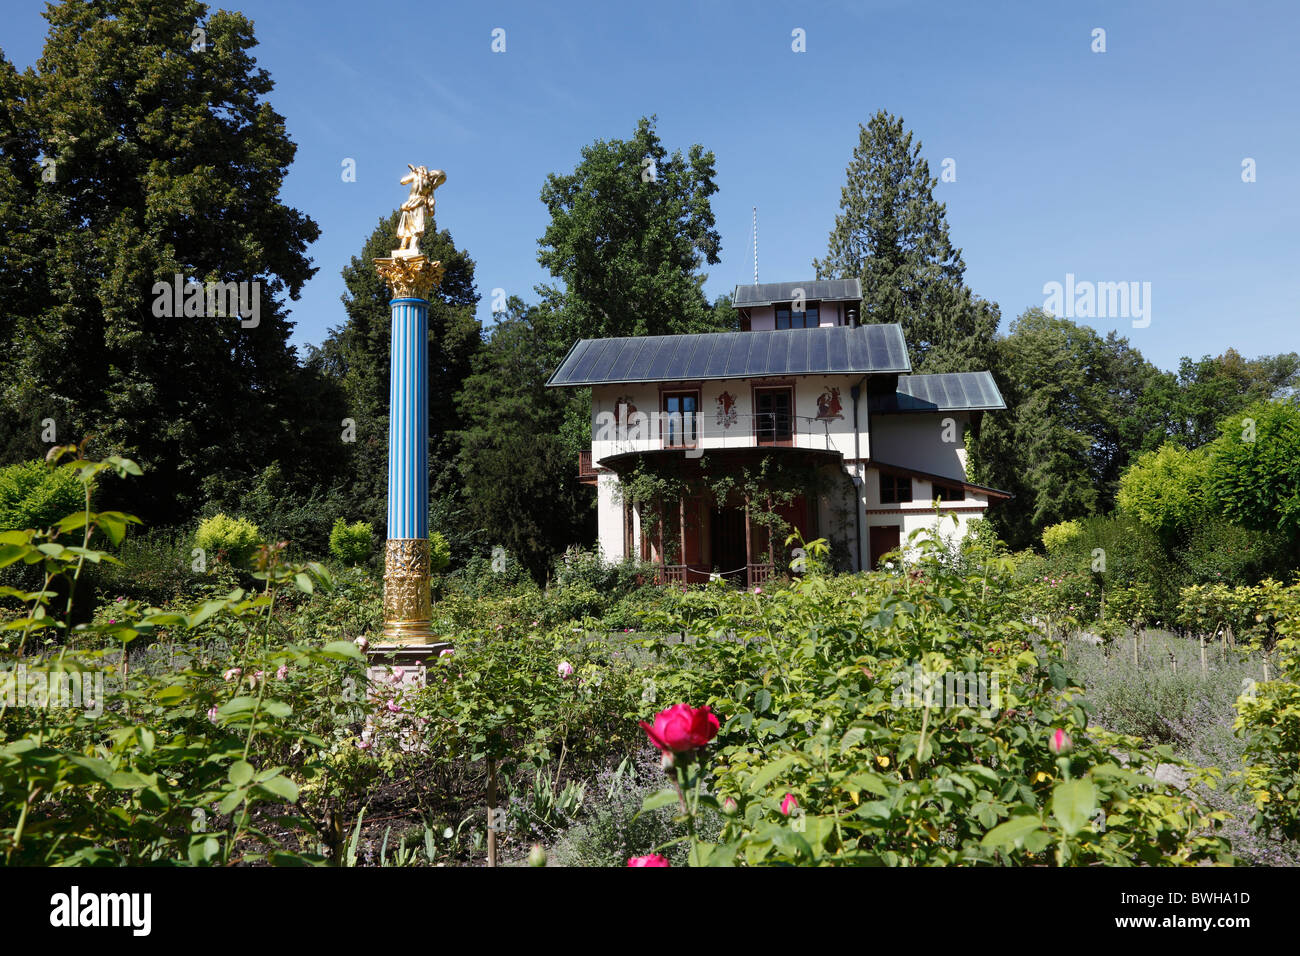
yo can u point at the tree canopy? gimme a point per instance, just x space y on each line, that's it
133 155
630 229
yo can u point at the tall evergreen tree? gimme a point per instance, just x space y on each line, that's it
892 235
164 159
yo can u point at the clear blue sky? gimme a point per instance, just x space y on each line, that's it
1116 166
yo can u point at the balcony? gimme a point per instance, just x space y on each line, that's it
586 471
698 433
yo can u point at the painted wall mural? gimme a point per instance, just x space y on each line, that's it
828 405
727 415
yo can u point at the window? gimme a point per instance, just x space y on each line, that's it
679 424
787 318
773 416
949 493
895 489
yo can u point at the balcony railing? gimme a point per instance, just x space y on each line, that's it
755 574
703 432
760 573
586 471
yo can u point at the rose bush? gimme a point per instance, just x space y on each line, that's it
848 741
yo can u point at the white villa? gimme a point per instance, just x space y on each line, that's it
805 414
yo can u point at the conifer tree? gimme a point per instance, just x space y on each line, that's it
892 235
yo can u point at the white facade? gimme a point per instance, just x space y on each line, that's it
921 448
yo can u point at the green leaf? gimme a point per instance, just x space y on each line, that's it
1009 833
240 773
231 800
771 771
1074 803
343 649
282 787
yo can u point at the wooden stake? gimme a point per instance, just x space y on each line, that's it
492 813
771 555
748 544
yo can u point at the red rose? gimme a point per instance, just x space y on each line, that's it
654 859
682 728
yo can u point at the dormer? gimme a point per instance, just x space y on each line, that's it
812 303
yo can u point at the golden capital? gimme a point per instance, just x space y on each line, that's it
410 276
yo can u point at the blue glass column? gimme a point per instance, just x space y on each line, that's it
408 423
407 604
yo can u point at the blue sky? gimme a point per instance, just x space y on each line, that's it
1122 166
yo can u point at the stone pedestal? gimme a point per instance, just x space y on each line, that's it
385 659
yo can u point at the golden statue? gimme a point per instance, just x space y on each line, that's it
409 273
411 226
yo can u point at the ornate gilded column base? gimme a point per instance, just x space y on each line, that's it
408 606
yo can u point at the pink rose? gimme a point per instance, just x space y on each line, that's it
212 714
1060 742
282 672
682 728
361 643
394 707
446 652
789 804
654 859
232 673
565 669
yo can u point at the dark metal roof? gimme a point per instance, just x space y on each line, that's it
814 290
717 355
948 392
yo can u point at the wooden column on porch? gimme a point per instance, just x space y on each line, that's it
771 554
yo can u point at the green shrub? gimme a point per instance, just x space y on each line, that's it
1060 535
350 543
439 553
34 495
1269 720
812 686
156 568
234 539
179 763
1219 552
